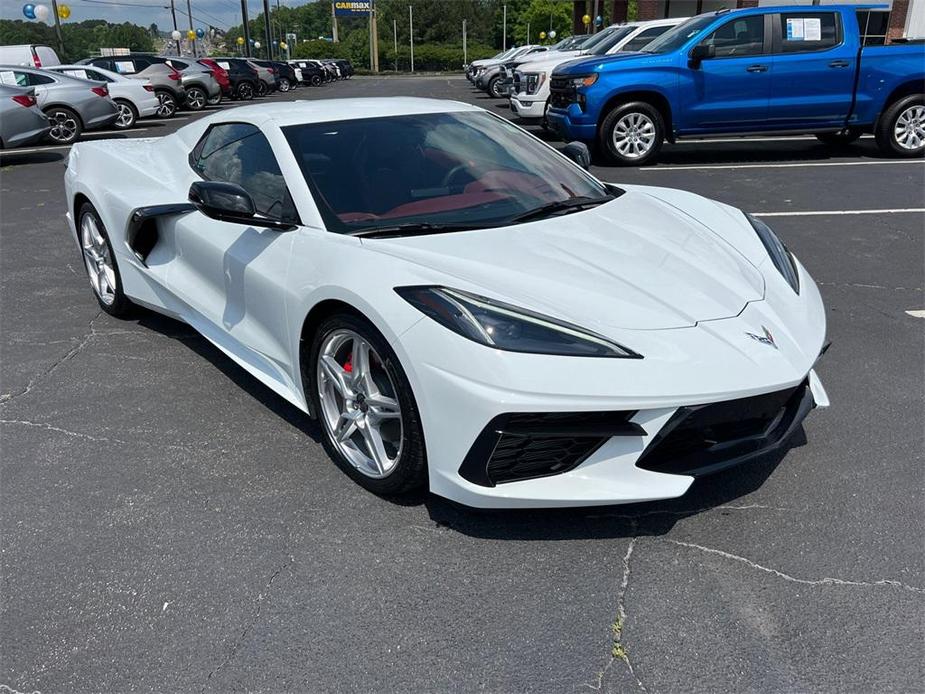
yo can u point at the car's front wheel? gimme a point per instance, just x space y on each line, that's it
127 115
316 80
245 91
100 262
363 399
900 130
168 104
262 88
284 84
632 134
196 99
496 87
215 100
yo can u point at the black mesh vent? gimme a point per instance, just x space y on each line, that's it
524 457
560 94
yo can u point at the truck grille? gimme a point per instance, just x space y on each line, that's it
560 93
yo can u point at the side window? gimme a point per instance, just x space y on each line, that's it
239 153
14 77
98 76
808 31
644 37
874 25
738 37
124 67
34 80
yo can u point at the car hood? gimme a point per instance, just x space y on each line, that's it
634 263
601 63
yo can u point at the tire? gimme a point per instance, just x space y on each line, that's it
840 138
316 80
244 91
262 88
284 84
66 126
108 292
168 103
127 115
639 120
494 87
900 130
215 100
402 435
196 99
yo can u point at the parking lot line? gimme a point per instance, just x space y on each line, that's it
692 167
783 138
822 213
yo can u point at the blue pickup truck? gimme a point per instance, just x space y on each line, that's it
793 69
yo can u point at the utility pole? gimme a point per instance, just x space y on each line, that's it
528 32
395 41
279 29
189 11
504 30
465 52
173 12
54 8
333 23
373 40
411 32
266 28
247 31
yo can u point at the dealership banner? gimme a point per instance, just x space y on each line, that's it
352 8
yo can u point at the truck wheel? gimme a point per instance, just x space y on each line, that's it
900 131
632 134
840 138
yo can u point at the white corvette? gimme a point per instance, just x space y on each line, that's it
460 305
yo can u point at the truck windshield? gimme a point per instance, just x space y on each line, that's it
598 38
675 38
618 35
446 170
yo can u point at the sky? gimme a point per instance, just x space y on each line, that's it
219 13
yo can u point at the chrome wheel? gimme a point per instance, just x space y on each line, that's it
98 260
359 403
64 126
196 99
634 135
245 91
284 85
126 117
168 105
909 131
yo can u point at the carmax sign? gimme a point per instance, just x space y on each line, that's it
352 8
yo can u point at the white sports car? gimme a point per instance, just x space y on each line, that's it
459 304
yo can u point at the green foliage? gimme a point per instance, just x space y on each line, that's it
81 39
543 15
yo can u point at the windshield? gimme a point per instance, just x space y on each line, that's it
466 168
675 38
597 38
618 35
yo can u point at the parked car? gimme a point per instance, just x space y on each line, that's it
472 68
242 75
530 82
284 73
222 77
72 105
166 80
266 78
31 54
491 77
198 80
344 67
482 317
312 73
759 70
135 98
21 121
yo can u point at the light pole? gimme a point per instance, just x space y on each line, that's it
395 41
411 32
173 13
266 28
247 31
465 52
189 11
504 30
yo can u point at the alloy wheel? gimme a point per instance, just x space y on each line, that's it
634 135
909 131
64 126
359 403
196 99
284 85
126 117
168 105
98 260
245 91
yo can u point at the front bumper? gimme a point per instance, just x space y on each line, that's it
524 106
571 123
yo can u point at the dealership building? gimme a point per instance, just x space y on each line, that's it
899 18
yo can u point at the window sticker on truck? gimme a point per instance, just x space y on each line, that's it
804 29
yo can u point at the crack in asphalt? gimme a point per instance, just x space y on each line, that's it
70 354
261 598
787 577
6 689
98 439
690 512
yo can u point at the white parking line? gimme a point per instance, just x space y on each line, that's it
823 213
692 167
916 313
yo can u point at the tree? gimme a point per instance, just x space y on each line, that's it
544 15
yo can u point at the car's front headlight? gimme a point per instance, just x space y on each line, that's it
532 82
502 326
782 258
582 81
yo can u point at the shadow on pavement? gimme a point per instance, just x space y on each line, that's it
12 158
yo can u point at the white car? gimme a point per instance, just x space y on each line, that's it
459 304
531 80
134 97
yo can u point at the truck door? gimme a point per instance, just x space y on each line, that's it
815 63
729 91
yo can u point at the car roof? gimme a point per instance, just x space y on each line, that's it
326 110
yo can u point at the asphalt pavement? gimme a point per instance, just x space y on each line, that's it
168 524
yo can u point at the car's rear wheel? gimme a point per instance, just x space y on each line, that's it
900 130
316 80
840 138
245 91
284 84
359 392
127 115
65 125
196 99
168 104
632 134
100 262
262 88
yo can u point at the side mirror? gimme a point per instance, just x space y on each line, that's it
229 202
700 52
579 153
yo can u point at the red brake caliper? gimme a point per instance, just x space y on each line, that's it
348 367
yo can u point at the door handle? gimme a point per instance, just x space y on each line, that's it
839 63
757 68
